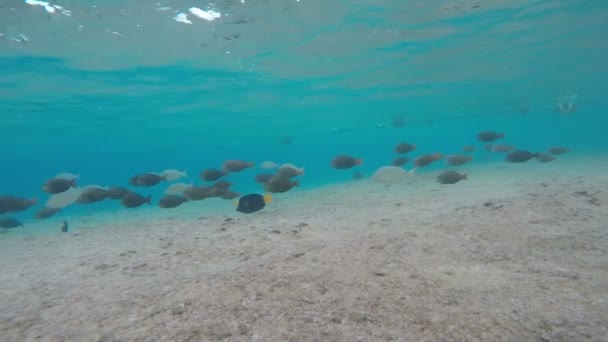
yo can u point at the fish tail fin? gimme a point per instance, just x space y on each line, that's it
464 176
537 155
149 199
438 155
302 171
34 200
296 182
73 182
235 203
359 161
267 198
185 173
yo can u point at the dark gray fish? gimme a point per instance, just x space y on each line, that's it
171 201
500 148
450 177
556 150
229 194
287 140
93 195
400 161
134 200
545 158
263 178
44 213
146 179
58 185
211 175
457 159
289 172
427 159
9 222
11 204
343 162
279 184
117 192
520 156
222 184
398 122
404 147
487 136
197 193
236 165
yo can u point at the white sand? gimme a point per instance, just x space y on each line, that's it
517 253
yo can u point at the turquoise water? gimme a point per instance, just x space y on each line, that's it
119 88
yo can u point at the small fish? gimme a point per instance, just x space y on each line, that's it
177 189
545 158
404 147
263 178
520 156
236 165
268 165
565 108
450 177
557 150
279 185
229 194
500 148
487 136
64 199
388 175
45 212
117 192
64 227
289 171
457 159
197 193
427 159
67 175
343 162
58 185
400 161
253 202
171 201
134 200
173 175
9 222
468 149
222 184
398 122
287 140
146 179
11 204
92 195
211 175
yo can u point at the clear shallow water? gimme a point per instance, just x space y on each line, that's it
118 88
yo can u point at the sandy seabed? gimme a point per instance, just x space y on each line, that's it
516 253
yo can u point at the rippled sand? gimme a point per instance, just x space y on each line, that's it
517 253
